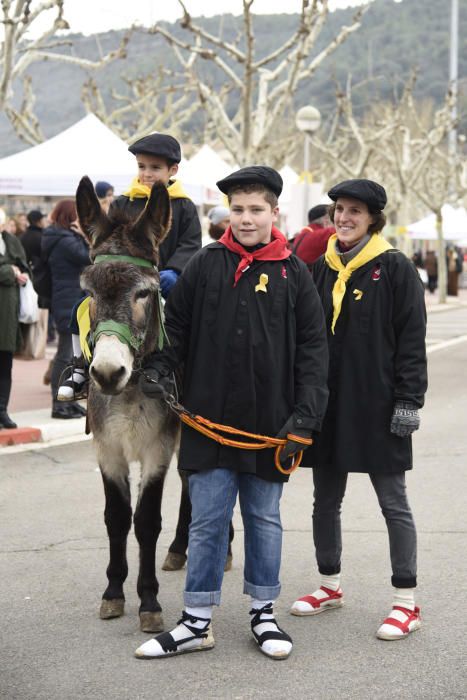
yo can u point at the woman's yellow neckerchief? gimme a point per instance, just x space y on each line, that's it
375 246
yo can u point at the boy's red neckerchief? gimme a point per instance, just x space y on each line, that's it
275 250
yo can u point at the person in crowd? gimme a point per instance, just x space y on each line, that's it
157 158
11 226
219 219
14 272
454 264
105 194
431 267
32 237
21 223
247 324
373 301
67 252
312 240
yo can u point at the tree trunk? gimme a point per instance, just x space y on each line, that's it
442 268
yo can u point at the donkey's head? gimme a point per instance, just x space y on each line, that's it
123 284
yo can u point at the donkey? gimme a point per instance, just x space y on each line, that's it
123 284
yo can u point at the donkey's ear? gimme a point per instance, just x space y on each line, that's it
154 222
92 218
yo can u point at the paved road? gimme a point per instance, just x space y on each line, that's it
53 557
446 325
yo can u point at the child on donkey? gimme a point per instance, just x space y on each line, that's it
246 321
157 157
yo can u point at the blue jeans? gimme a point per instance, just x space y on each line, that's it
213 494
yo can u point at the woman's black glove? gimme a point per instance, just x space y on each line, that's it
405 419
291 446
155 385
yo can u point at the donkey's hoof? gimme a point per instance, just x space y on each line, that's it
174 561
111 608
228 563
151 622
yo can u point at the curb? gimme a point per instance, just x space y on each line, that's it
19 436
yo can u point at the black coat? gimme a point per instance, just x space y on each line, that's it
68 255
376 356
184 238
252 359
31 240
10 336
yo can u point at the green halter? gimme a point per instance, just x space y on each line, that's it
122 330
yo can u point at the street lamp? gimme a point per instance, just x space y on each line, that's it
307 120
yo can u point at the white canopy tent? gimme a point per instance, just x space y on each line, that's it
454 226
202 171
56 166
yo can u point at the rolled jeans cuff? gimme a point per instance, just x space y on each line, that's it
261 592
404 582
201 599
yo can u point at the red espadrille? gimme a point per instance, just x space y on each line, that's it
319 601
400 623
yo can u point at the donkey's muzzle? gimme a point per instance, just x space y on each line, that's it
110 381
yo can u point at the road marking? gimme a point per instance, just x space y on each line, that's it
446 344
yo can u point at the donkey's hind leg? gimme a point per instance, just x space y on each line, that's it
148 522
176 556
117 517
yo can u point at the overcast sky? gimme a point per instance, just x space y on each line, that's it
92 16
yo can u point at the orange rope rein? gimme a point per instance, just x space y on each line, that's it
208 428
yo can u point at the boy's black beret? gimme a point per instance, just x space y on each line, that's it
367 191
253 175
162 145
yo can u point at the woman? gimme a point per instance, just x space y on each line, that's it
13 274
373 300
67 252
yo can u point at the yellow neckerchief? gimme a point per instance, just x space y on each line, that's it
84 324
375 246
139 191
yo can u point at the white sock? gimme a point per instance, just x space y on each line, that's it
205 613
404 598
271 646
77 352
332 582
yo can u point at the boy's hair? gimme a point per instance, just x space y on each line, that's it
269 196
64 213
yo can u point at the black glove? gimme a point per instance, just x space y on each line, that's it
291 446
156 386
405 419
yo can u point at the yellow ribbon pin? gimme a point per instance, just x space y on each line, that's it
358 294
263 280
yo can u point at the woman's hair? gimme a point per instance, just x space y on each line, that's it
379 218
64 213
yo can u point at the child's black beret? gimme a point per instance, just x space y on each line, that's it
162 145
253 175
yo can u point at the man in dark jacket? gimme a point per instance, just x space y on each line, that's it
247 323
32 237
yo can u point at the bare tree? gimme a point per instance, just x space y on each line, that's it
17 53
261 87
402 145
151 103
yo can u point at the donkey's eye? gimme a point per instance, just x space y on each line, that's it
142 294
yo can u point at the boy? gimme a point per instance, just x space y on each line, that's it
246 321
157 157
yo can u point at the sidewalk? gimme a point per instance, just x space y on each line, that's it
30 402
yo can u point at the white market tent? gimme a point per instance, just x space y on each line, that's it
454 225
202 171
56 166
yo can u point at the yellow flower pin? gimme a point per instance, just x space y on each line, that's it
263 281
358 294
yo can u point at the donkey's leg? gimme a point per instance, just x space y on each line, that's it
117 516
176 556
148 522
